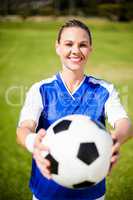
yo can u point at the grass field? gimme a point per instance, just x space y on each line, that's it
27 55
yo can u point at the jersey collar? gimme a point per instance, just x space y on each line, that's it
65 89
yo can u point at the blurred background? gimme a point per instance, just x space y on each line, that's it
118 10
28 31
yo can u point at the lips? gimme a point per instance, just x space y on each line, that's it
75 59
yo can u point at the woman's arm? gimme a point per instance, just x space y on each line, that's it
27 127
123 130
32 141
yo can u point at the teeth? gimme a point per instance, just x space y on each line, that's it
75 59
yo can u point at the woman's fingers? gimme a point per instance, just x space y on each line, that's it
115 152
115 148
43 169
42 160
38 141
40 135
42 163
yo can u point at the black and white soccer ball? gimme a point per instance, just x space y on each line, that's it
80 151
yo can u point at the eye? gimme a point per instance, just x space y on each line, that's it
83 45
68 44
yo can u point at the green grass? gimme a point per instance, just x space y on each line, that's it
27 55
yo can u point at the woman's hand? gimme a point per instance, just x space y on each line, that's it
42 163
122 132
115 152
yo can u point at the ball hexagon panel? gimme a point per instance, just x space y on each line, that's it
88 152
62 126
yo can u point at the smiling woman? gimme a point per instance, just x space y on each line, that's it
74 45
74 48
69 92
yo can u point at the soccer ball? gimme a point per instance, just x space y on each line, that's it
79 151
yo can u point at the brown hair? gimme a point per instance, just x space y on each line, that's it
74 23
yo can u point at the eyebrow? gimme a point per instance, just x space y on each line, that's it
84 41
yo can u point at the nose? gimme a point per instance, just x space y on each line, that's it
75 49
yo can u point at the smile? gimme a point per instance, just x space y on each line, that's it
75 59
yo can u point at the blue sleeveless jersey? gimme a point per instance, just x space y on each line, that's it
89 99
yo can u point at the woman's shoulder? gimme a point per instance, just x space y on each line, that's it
103 83
46 81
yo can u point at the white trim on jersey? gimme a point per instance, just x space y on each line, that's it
71 94
113 107
103 83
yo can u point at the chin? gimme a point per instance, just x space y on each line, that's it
74 67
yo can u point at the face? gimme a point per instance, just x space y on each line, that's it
74 48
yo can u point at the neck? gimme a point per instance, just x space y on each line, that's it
72 79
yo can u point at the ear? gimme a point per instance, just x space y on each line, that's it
57 47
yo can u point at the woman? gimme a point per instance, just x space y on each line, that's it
69 92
